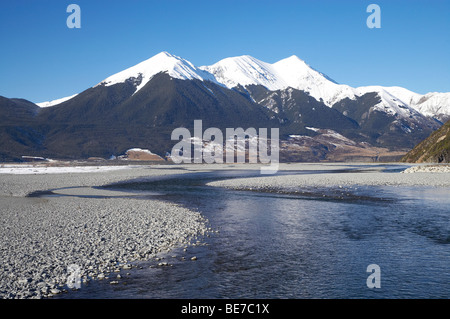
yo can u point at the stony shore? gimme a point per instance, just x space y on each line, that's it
363 175
428 169
42 237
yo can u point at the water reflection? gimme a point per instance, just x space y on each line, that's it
295 246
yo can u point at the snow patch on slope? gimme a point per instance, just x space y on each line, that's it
55 102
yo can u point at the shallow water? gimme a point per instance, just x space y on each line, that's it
275 245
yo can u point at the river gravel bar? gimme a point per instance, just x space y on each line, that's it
43 236
343 175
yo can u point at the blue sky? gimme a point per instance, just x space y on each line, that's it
42 59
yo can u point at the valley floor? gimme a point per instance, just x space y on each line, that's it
103 232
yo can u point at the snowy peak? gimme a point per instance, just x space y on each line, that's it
295 71
245 70
297 74
389 103
399 100
433 104
143 72
290 72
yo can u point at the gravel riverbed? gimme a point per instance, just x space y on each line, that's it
43 237
366 175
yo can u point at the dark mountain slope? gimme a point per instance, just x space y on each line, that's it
19 134
382 128
297 110
17 111
103 121
434 149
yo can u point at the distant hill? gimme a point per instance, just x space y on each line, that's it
19 134
434 149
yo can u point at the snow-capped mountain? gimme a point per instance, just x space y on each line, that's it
143 72
290 72
433 105
246 70
295 73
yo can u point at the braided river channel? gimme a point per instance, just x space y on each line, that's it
312 244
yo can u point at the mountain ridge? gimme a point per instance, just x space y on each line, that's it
140 106
289 72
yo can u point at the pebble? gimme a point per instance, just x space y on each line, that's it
55 291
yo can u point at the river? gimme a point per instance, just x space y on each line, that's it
275 245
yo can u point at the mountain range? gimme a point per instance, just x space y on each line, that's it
140 106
